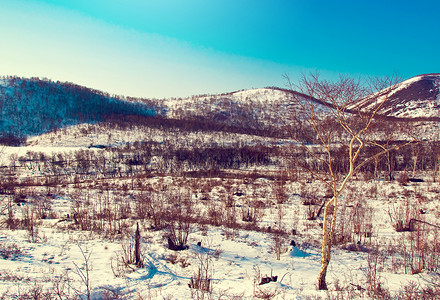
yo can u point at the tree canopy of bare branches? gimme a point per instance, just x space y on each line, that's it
328 127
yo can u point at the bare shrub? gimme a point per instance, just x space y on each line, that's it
214 213
29 223
112 293
8 209
60 286
278 233
310 198
252 211
35 291
403 214
83 272
432 256
261 291
142 204
415 290
375 288
10 250
43 206
277 245
267 293
421 250
372 191
279 189
312 212
82 214
418 248
403 178
230 218
361 222
201 281
125 260
177 259
180 222
313 202
156 210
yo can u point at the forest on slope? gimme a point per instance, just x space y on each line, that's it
34 106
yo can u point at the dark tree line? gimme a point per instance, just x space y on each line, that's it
193 124
423 156
136 159
222 158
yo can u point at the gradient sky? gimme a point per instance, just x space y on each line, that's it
176 48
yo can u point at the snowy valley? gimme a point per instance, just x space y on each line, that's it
217 196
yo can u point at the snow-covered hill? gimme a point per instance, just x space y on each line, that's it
30 107
268 109
247 107
417 97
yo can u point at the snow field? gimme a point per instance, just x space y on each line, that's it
237 260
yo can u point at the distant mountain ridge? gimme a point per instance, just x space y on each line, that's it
35 106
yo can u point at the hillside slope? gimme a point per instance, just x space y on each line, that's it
34 106
30 107
267 108
417 97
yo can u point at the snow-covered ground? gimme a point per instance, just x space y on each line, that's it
52 257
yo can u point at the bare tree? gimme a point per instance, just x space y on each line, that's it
329 129
84 272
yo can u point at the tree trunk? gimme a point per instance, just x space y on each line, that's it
137 247
415 158
322 285
327 241
376 162
439 169
390 170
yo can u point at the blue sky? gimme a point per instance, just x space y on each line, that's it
172 48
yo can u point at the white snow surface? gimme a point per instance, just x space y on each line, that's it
237 264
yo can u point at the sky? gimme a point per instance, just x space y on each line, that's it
176 48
